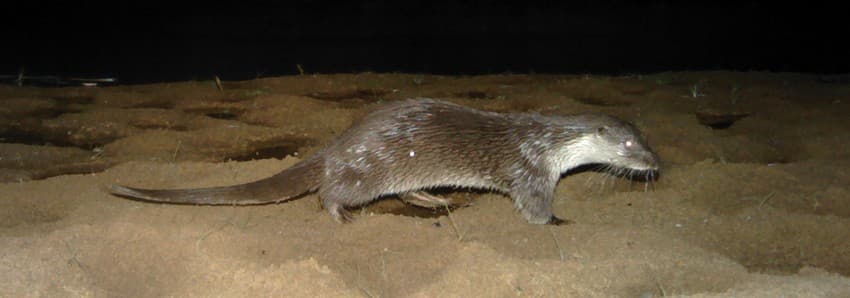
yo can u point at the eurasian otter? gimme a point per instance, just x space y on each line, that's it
409 146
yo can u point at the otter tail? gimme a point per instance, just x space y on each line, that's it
301 178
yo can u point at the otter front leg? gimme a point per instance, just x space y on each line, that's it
533 197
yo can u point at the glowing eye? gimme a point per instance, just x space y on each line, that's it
628 144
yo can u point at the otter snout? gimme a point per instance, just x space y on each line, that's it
647 161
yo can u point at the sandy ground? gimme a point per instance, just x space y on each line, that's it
753 200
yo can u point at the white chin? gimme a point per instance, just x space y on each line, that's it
644 168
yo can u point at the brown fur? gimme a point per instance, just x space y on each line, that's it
413 145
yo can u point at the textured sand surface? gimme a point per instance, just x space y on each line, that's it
753 201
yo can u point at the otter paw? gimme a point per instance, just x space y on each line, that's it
340 215
555 221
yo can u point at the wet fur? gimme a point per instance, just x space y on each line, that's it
415 145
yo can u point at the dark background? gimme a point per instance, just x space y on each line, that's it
165 42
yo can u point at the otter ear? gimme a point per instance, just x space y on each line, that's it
602 130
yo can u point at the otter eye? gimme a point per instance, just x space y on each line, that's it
629 144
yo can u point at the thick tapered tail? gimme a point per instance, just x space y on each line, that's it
301 178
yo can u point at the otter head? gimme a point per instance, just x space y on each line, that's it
600 139
620 144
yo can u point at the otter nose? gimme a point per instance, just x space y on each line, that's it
652 161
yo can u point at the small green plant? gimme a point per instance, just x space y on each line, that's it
254 92
659 78
694 91
734 94
419 79
663 80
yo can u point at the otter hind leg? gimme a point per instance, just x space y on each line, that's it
336 199
426 200
337 211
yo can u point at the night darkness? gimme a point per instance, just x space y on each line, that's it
160 43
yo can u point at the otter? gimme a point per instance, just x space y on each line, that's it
410 146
